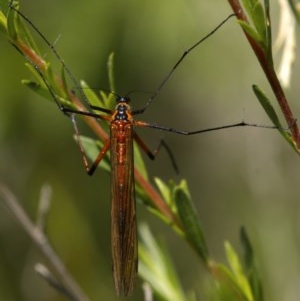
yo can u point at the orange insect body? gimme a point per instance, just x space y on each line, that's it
123 213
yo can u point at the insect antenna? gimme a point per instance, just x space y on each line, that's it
186 52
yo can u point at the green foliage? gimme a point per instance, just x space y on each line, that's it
3 24
241 280
189 219
237 273
238 282
259 33
157 269
251 268
266 104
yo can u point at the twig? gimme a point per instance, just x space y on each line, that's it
44 206
148 293
52 281
42 242
270 73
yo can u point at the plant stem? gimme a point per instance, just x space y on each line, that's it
43 244
270 74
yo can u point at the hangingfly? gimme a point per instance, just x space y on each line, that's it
124 243
120 144
123 212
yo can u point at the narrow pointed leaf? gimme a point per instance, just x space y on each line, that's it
237 269
252 272
259 20
266 104
65 88
251 32
228 288
164 190
139 161
190 221
11 23
3 24
90 94
248 4
157 269
37 88
110 65
17 29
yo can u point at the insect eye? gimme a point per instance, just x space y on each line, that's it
119 99
126 99
122 99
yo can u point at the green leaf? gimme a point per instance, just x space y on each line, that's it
257 17
40 87
266 104
268 33
139 161
225 285
37 88
251 267
91 95
238 273
11 22
105 99
251 32
44 92
259 21
248 5
256 13
3 25
188 217
164 190
17 29
157 269
110 98
33 70
65 89
110 66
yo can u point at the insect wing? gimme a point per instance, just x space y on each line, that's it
123 212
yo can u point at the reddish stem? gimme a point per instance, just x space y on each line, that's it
270 74
31 55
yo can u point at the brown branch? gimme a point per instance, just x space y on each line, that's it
270 74
42 242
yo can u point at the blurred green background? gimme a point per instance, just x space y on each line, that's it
237 177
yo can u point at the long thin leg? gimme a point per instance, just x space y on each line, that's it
140 111
89 169
172 130
73 79
153 154
64 109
